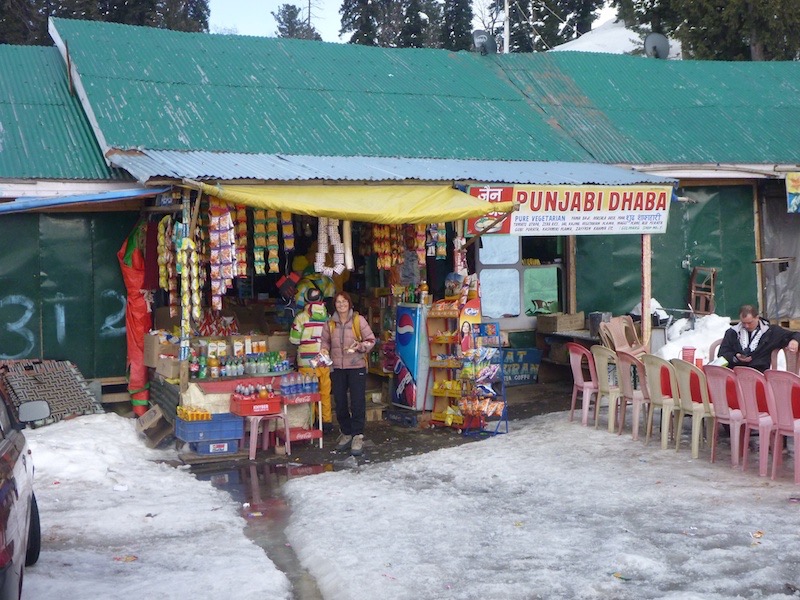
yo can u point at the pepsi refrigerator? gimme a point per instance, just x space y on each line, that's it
411 389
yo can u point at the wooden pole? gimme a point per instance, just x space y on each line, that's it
647 289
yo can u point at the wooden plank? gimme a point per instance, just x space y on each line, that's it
115 397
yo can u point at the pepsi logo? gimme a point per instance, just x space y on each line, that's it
471 312
405 329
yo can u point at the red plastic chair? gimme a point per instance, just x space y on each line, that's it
578 355
721 383
752 384
785 392
636 396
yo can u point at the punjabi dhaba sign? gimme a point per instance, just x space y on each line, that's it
576 210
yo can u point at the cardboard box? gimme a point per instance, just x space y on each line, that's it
278 341
169 367
153 349
560 322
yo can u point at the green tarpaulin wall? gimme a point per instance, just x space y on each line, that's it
61 291
714 229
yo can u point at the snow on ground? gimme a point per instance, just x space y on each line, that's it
117 524
551 510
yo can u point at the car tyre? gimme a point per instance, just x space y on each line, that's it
34 535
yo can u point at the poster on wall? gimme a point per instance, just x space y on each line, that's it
521 365
575 210
469 316
793 192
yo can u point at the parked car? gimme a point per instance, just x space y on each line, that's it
20 534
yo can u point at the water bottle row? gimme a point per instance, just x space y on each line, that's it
297 383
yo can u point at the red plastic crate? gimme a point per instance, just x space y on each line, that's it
299 434
301 398
253 406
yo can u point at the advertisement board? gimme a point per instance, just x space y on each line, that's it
575 210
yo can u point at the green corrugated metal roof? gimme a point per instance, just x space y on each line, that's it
626 109
44 133
168 90
165 90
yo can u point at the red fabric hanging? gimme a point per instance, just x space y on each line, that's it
137 319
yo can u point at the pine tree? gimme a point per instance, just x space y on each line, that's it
361 18
411 32
457 25
292 25
25 21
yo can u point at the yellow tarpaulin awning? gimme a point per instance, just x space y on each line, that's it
384 204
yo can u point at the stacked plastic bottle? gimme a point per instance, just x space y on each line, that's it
296 384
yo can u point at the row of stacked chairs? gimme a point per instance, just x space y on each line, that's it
744 399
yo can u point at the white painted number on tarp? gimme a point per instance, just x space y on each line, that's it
113 324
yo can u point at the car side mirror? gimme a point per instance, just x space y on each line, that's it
33 410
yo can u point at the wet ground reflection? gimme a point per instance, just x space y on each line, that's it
257 488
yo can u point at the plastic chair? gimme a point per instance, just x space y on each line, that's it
628 367
620 335
712 349
722 381
792 364
749 381
785 387
587 387
607 384
662 386
693 392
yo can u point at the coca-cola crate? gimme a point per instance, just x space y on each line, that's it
251 406
298 434
304 398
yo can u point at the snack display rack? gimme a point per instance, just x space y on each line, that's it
445 365
483 404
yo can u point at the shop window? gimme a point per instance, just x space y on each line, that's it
520 276
540 290
500 293
499 250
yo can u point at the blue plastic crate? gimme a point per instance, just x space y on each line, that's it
215 447
221 427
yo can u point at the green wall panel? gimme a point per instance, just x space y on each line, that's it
20 314
109 232
714 229
61 290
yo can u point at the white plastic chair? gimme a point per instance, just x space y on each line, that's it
694 402
608 387
661 376
627 365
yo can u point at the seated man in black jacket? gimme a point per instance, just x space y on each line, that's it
751 341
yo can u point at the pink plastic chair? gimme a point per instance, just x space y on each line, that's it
636 396
578 355
785 388
722 381
750 380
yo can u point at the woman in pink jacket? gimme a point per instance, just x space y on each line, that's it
348 344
